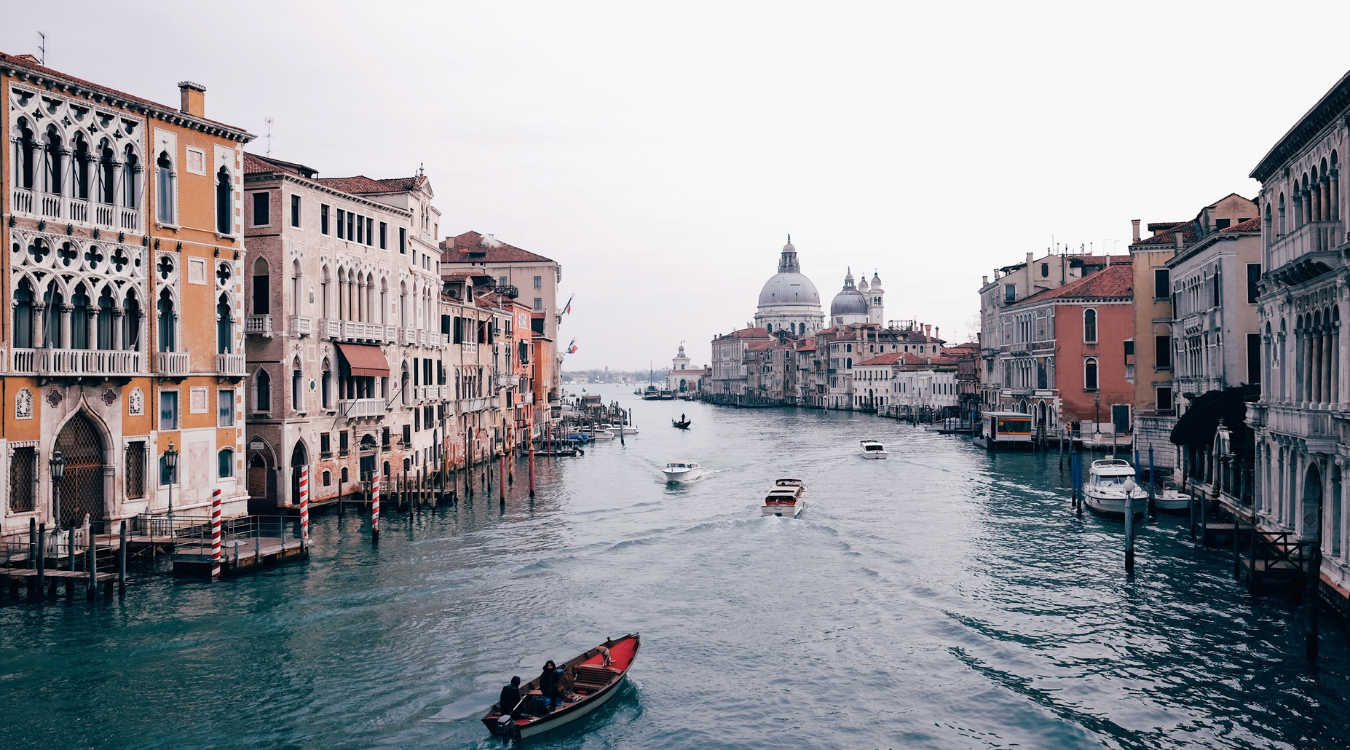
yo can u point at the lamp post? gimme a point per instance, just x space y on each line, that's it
58 466
171 463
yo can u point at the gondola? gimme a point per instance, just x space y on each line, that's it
681 423
588 684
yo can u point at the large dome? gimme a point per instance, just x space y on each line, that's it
789 288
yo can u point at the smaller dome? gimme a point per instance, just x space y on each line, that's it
849 302
862 285
788 248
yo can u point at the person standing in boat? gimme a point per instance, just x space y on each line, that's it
510 700
548 685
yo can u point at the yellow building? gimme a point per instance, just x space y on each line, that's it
124 286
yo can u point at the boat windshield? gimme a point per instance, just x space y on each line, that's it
1115 481
872 447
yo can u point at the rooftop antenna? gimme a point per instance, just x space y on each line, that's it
268 120
42 49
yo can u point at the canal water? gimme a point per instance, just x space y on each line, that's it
943 598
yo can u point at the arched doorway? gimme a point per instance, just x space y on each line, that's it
82 483
299 459
367 456
1312 501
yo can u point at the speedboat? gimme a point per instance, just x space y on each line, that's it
785 499
872 449
595 677
601 434
627 430
1109 480
682 471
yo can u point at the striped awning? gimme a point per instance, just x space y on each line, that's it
365 361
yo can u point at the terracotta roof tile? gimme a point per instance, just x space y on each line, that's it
472 247
254 164
1168 235
1250 225
362 185
1113 282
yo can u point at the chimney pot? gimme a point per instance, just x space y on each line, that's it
1181 242
984 281
1029 257
193 98
1135 223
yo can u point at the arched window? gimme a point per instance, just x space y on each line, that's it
1090 374
225 463
326 386
23 316
131 322
403 305
1281 234
324 311
224 202
297 387
262 292
297 283
1090 326
262 388
83 160
51 317
164 188
23 156
165 322
224 326
106 303
405 386
131 168
345 475
107 174
384 302
51 175
327 477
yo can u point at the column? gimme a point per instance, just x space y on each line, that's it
1335 195
39 325
119 314
1314 366
65 311
1325 355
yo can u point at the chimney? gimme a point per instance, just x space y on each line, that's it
984 281
1029 260
194 98
1135 222
937 335
1181 242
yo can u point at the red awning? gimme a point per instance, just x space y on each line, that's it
365 361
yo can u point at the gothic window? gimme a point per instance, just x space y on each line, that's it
297 286
79 319
51 317
164 188
297 390
1090 326
326 386
224 202
224 326
131 322
23 316
51 174
130 169
262 388
1090 374
23 157
107 175
104 327
165 322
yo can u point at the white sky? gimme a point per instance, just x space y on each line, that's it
661 154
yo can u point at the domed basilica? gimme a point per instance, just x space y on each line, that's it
790 303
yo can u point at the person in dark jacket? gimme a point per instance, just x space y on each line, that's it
548 684
510 698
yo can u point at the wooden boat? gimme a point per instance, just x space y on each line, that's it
1109 481
592 684
785 499
681 423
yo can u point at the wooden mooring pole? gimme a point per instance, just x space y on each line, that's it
122 558
41 558
375 508
1152 486
531 468
91 588
1129 526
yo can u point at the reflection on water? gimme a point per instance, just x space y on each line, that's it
941 598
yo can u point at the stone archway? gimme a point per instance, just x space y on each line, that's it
82 485
299 459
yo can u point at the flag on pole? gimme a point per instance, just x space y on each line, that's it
568 307
572 347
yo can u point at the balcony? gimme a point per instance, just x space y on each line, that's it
301 325
357 408
97 363
357 331
230 365
40 205
172 364
329 328
409 337
258 325
1313 237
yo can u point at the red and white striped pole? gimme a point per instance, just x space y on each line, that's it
304 507
375 508
215 535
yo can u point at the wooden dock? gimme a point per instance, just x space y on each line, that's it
194 560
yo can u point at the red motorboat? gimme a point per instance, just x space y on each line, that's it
587 682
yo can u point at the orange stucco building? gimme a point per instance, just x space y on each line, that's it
124 286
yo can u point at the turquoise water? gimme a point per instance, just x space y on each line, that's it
943 598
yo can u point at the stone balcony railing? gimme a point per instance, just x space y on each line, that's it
39 205
172 364
330 328
1296 421
258 325
361 407
231 365
301 325
1313 237
76 362
353 330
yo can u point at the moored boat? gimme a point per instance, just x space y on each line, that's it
682 471
1109 480
1172 500
594 677
872 449
785 499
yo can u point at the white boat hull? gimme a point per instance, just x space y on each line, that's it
677 477
786 511
874 455
572 716
1171 500
1113 504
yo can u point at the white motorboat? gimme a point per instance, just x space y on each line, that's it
627 430
1108 481
1171 499
682 471
872 449
600 434
785 499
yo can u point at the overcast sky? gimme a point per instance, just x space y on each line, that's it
662 153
